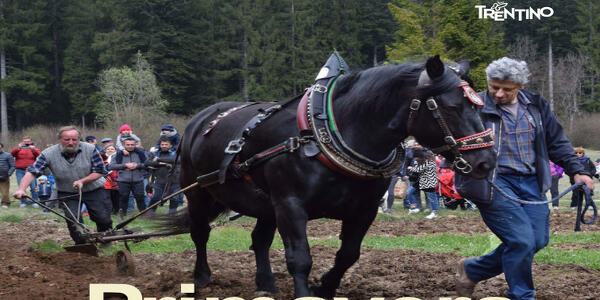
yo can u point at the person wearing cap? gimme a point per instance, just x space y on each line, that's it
527 136
169 131
90 139
124 132
588 166
161 166
106 141
76 167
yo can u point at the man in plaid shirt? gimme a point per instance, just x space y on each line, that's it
527 135
76 167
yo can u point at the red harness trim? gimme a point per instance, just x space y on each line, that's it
302 120
470 93
483 143
272 151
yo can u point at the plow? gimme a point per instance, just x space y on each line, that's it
120 233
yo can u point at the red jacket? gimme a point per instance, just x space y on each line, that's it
24 157
111 178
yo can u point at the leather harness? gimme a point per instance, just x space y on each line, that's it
478 140
320 137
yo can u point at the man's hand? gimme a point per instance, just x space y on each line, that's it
19 194
131 166
77 184
20 144
585 179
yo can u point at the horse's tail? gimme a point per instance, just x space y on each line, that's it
178 222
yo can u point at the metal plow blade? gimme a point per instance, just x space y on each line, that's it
89 249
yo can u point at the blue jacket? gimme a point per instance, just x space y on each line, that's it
550 144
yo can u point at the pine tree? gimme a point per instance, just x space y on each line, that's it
451 30
29 62
376 28
586 38
6 8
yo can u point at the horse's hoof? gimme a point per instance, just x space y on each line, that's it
321 292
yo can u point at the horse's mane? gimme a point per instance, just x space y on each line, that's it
366 88
374 81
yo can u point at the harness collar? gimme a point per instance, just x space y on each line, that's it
315 115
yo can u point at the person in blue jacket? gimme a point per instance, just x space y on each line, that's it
44 188
168 130
527 136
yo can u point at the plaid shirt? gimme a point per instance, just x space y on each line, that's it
517 152
40 164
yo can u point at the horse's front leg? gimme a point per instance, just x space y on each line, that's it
291 223
353 232
262 237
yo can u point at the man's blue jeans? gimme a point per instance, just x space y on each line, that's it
413 195
523 230
20 173
432 199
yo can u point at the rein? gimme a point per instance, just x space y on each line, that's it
589 202
478 140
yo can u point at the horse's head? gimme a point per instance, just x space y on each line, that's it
445 118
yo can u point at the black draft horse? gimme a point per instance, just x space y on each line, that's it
371 108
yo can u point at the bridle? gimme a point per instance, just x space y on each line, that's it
478 140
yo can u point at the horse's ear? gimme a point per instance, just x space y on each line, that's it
463 67
435 67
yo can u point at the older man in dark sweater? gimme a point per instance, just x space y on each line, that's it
75 166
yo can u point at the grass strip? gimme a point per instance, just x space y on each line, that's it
12 218
46 246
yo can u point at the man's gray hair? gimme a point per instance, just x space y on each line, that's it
508 69
67 128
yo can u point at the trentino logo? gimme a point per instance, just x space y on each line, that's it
499 12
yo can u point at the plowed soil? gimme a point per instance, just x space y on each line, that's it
29 274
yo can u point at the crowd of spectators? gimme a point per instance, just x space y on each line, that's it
431 174
131 172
